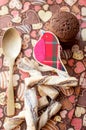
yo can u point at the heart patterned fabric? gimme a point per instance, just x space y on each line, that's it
29 17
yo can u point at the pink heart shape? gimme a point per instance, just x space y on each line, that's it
28 52
82 2
63 113
23 74
70 114
77 123
83 25
50 2
47 51
72 99
3 2
58 1
33 34
71 62
79 67
15 13
25 7
37 8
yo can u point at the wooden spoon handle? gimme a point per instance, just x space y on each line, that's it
10 93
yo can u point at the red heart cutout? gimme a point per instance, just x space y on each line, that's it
79 67
47 51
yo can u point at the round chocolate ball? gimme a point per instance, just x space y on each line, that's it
64 25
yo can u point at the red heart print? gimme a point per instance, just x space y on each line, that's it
26 7
79 67
72 99
15 13
58 1
71 62
3 2
50 2
70 114
63 113
37 8
23 74
77 123
47 51
82 2
33 34
28 52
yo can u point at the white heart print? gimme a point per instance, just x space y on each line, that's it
70 2
15 4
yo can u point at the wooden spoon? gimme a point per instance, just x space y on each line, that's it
11 45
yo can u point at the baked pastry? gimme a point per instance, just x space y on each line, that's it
64 25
